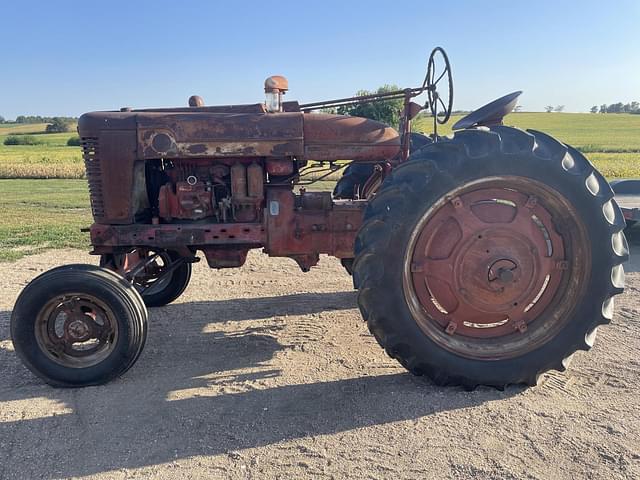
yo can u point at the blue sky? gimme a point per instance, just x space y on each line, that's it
65 57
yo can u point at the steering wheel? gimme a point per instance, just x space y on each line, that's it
431 81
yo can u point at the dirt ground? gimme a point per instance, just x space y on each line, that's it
266 372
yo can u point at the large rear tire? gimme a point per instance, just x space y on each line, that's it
490 258
79 325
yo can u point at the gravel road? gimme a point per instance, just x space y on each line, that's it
266 372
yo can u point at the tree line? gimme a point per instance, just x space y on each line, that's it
632 107
55 124
25 119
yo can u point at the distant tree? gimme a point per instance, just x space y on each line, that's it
631 107
39 119
30 119
57 125
549 108
2 119
615 108
388 111
594 109
559 108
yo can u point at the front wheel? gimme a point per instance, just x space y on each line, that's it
79 325
490 258
157 286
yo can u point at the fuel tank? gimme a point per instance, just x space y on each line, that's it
340 137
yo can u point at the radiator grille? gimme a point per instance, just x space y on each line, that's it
91 156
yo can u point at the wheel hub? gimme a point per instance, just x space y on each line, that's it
494 270
486 263
502 271
77 330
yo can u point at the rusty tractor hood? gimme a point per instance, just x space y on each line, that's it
240 131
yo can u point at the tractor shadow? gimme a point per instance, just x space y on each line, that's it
195 393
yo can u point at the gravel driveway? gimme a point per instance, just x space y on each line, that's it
266 372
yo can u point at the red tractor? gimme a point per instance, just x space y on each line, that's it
486 257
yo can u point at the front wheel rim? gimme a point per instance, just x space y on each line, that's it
486 272
76 330
151 279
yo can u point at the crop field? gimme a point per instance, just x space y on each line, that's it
51 158
11 128
36 215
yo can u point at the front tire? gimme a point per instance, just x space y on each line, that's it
79 325
156 289
490 258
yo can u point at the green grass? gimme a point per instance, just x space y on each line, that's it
585 131
611 142
37 215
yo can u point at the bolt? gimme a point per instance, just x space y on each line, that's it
416 267
521 326
531 202
451 327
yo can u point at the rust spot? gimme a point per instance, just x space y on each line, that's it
197 148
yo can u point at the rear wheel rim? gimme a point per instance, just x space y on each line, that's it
487 266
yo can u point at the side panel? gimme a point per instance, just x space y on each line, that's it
215 135
304 228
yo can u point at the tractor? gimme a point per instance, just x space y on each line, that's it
485 257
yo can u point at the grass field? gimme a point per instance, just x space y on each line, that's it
37 215
585 131
611 142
